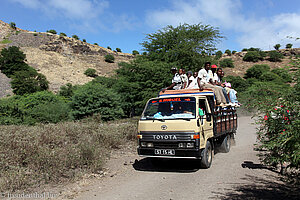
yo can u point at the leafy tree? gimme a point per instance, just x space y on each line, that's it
62 34
109 58
227 62
277 46
108 47
233 52
67 90
218 55
90 72
256 71
51 31
238 83
96 44
118 50
145 53
75 37
12 60
182 45
286 77
275 56
83 40
228 52
93 98
270 77
252 56
244 49
135 52
288 46
13 25
27 82
253 49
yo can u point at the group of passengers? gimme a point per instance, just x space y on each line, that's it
209 77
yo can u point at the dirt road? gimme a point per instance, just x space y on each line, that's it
234 175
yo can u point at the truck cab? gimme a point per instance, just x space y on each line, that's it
185 124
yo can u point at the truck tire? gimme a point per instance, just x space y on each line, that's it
206 156
226 144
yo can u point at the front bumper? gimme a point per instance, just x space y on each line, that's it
179 153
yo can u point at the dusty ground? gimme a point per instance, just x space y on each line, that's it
235 175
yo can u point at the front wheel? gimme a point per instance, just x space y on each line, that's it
206 155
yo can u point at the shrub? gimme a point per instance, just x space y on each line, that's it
12 25
256 71
277 46
35 34
286 77
118 50
96 43
219 55
252 56
62 34
94 98
27 82
288 46
254 49
244 49
109 58
233 52
75 37
90 72
227 62
108 47
67 90
275 56
228 52
51 31
238 83
270 77
145 53
135 52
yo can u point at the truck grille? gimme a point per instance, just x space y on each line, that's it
165 145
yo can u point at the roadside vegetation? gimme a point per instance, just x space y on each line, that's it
49 137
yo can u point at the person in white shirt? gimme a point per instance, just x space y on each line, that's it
203 83
194 83
184 78
176 81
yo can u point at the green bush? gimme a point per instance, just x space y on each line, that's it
96 43
12 25
94 98
51 31
227 62
62 34
219 55
135 52
108 47
238 83
228 52
256 71
252 56
244 49
275 56
145 53
233 52
254 49
75 37
67 91
27 82
277 46
109 58
288 46
90 72
118 50
270 77
286 77
83 40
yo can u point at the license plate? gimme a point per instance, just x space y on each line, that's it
164 152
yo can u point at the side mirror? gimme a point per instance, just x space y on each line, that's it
208 117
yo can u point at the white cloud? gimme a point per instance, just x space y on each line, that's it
227 14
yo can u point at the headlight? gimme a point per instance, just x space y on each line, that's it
143 144
149 144
181 145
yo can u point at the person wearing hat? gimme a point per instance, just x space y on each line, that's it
213 76
203 83
176 81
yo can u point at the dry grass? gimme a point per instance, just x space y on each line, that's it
31 156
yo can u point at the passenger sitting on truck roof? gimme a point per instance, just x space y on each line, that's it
213 77
203 84
189 75
184 78
193 80
176 81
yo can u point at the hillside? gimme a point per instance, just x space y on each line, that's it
64 60
61 59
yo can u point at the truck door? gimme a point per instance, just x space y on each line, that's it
205 119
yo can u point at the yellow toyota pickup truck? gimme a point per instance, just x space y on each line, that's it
185 124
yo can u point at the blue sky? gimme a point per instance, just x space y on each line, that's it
124 24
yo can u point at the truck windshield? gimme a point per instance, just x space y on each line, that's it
170 108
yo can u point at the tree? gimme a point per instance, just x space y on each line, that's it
275 56
12 25
182 45
109 58
96 43
288 46
75 37
228 52
118 50
256 71
12 60
135 52
62 34
83 40
108 47
227 62
252 56
277 46
51 31
90 72
219 55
